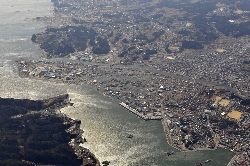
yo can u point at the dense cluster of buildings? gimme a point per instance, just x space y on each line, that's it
154 76
227 68
194 116
132 28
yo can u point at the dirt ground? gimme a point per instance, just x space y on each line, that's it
224 102
216 98
238 11
234 114
220 50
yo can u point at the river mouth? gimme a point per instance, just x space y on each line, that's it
105 122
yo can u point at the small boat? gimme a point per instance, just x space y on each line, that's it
207 161
130 136
198 164
170 153
84 140
105 162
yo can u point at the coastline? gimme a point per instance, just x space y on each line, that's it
45 110
167 133
140 115
122 104
169 141
82 153
69 82
232 160
93 88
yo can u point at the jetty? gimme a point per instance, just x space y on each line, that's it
140 115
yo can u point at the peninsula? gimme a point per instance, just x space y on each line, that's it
34 133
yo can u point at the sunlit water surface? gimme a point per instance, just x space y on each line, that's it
105 123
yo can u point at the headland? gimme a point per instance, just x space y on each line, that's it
36 133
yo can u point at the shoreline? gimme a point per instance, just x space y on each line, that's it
83 153
140 115
169 139
46 109
167 134
232 160
130 109
137 111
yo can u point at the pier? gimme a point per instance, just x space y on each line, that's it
140 115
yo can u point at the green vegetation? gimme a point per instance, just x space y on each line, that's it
205 31
157 35
223 123
101 46
227 28
199 7
147 54
65 40
33 137
191 45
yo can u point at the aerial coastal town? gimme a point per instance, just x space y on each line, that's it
185 63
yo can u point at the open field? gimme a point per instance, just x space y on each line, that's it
238 11
224 102
234 114
220 50
216 98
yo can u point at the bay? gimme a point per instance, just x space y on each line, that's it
105 123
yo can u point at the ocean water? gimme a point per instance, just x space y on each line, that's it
105 123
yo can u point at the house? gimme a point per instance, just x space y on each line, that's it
169 115
51 75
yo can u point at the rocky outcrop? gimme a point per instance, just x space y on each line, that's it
32 132
36 105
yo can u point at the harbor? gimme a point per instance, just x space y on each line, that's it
105 124
140 115
139 104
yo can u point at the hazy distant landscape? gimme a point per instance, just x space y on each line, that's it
181 67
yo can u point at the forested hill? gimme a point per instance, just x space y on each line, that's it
39 137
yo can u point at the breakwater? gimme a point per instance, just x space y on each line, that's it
140 115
